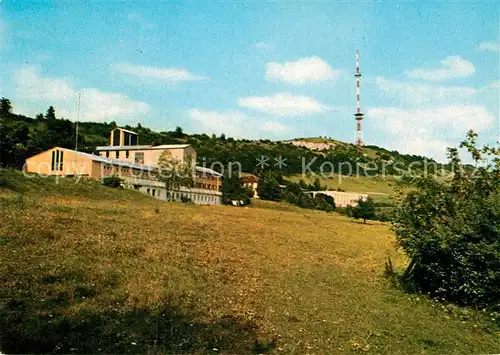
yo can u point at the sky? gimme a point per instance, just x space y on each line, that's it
273 70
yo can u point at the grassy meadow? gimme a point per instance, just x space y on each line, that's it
361 184
90 269
381 189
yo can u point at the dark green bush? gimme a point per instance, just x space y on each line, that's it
450 228
324 202
384 214
268 188
233 190
112 181
294 194
365 209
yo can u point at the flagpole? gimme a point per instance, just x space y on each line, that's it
76 132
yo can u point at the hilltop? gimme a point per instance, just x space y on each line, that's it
90 269
372 151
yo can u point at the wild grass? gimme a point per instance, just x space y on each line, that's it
101 270
361 184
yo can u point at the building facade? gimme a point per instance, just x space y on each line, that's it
69 163
342 199
250 181
123 137
134 164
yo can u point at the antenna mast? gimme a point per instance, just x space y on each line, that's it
358 115
76 131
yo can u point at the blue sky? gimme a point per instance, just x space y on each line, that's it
261 70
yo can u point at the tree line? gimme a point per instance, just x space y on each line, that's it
274 187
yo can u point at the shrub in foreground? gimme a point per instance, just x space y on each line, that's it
450 228
112 181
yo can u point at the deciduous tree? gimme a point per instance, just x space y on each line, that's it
174 173
365 209
449 226
5 106
233 189
268 188
178 133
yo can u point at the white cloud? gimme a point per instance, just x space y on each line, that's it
97 105
133 16
262 45
418 93
235 124
491 46
138 19
162 73
453 67
230 123
302 71
494 84
429 131
283 104
424 144
274 127
32 86
41 57
453 118
38 92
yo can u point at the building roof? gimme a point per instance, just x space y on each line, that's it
122 147
142 147
249 177
108 160
171 146
243 174
207 171
335 192
125 130
100 159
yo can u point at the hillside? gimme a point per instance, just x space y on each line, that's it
24 136
89 269
361 184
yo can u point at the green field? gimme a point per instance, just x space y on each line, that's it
89 269
380 189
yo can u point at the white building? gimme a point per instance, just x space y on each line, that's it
342 199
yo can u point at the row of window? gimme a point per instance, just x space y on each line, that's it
205 199
207 186
154 192
140 174
117 154
206 176
127 171
57 160
177 196
138 156
121 169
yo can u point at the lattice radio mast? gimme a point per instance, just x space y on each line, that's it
358 115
